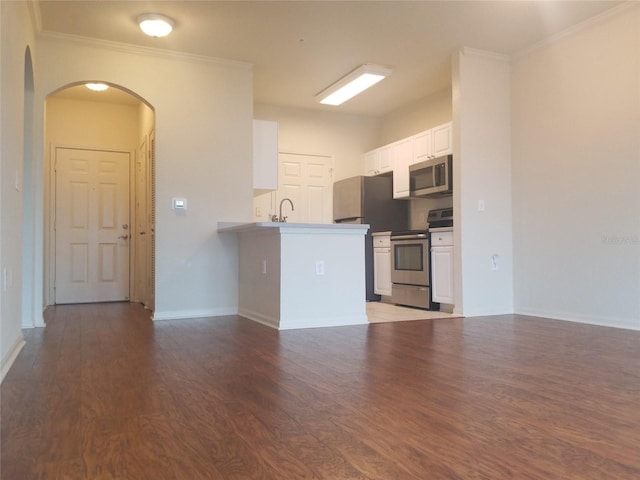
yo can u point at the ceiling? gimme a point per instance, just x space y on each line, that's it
298 48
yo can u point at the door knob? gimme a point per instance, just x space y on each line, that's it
124 237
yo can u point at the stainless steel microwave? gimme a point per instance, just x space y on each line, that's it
431 177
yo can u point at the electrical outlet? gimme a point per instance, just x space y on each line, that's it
319 267
264 267
258 212
481 205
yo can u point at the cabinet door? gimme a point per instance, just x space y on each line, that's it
385 159
370 166
378 161
382 271
422 146
402 158
265 155
442 274
441 140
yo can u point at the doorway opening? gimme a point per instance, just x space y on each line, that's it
99 197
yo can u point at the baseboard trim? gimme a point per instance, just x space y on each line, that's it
324 322
571 317
484 313
280 324
186 314
8 359
259 318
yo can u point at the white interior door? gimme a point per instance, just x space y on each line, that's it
92 226
306 180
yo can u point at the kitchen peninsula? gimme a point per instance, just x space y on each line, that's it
299 275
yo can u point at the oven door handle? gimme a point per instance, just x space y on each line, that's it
418 236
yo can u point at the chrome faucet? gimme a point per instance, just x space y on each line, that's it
281 218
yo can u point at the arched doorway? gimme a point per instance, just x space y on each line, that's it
99 169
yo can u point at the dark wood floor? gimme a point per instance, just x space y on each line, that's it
104 393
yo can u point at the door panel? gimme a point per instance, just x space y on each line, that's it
306 180
92 226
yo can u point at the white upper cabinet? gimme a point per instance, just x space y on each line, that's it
402 158
378 161
441 140
422 146
265 156
433 143
398 156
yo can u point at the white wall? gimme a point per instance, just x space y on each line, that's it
91 124
146 121
576 176
482 149
343 137
16 35
429 112
203 152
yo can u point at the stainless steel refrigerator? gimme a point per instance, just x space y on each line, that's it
369 200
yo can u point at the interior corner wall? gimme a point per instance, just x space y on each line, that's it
340 136
203 129
576 175
482 184
17 34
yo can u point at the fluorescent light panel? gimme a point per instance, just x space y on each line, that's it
352 84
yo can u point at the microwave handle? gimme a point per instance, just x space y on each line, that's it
439 173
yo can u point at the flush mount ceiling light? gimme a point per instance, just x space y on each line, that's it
156 25
352 84
97 87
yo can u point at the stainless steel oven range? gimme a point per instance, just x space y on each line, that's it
410 268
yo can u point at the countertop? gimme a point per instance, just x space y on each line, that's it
237 227
381 234
441 229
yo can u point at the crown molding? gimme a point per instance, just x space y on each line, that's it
147 51
476 52
577 28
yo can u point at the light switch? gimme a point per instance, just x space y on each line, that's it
179 204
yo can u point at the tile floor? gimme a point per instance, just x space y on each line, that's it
379 312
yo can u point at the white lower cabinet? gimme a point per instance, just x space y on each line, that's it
442 267
382 264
